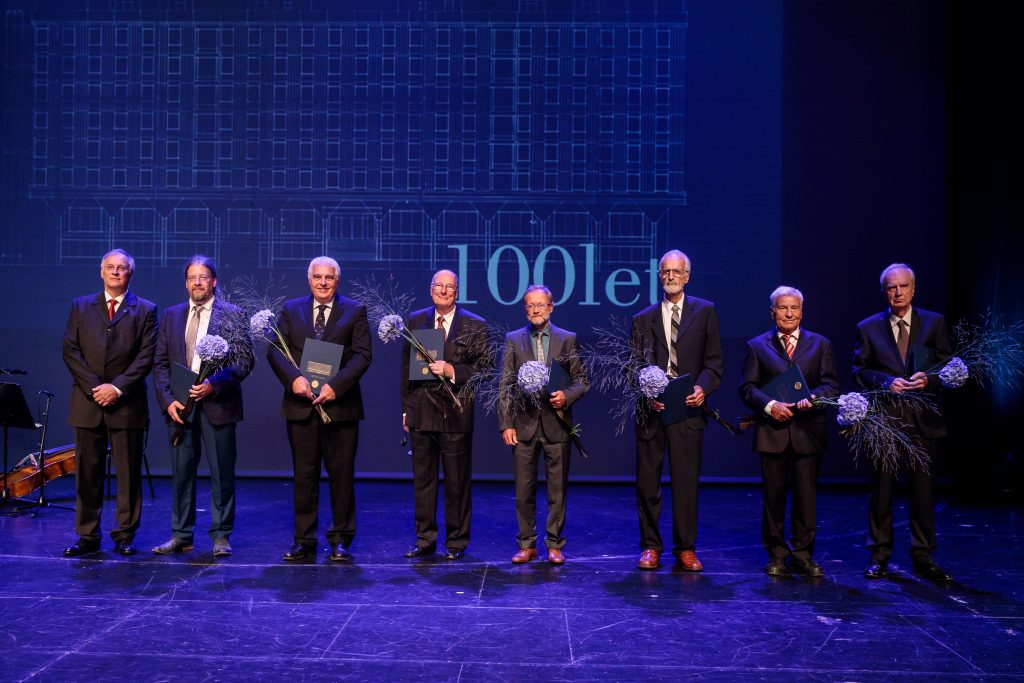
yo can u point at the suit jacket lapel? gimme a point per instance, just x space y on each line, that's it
802 345
915 329
127 303
775 344
332 319
555 343
685 317
658 329
307 316
885 328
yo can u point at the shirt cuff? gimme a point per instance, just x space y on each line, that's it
768 407
119 392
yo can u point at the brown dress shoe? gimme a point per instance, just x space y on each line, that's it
649 560
524 555
555 556
688 560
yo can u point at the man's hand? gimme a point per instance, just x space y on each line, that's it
915 383
405 427
173 411
557 400
656 406
919 379
696 398
326 394
200 391
104 395
440 368
782 412
300 387
509 437
805 404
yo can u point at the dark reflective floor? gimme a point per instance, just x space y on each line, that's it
252 616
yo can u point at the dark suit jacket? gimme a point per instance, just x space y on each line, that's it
98 350
427 407
876 359
766 359
519 348
698 353
346 325
224 405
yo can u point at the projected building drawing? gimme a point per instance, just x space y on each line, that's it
383 140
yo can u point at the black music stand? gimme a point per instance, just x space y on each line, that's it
14 412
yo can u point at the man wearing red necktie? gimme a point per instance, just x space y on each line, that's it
109 345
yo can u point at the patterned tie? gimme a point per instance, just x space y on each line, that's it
113 307
902 339
190 335
673 362
540 347
440 326
321 321
787 342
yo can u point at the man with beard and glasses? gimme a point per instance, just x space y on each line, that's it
217 408
680 335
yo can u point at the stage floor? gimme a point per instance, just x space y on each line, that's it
383 617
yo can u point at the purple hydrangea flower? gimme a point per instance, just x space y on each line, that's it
954 374
261 323
212 348
390 328
853 408
653 381
533 377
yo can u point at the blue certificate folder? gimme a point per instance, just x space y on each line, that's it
320 361
433 341
674 398
789 387
558 379
182 380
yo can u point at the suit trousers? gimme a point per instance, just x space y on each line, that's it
90 471
221 451
334 445
556 460
776 470
453 451
685 446
922 512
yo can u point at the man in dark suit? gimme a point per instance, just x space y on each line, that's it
109 346
328 317
789 436
218 406
680 335
439 432
884 358
529 424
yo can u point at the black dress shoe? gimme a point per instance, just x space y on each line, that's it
454 553
339 553
806 567
775 567
82 547
125 548
299 552
878 569
421 550
927 569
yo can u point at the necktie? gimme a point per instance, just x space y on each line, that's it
673 361
902 339
321 321
190 335
113 307
440 326
540 348
787 342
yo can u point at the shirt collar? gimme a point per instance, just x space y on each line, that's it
894 319
546 330
447 318
208 306
667 305
794 335
119 299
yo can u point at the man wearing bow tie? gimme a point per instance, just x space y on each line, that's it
109 347
789 436
329 317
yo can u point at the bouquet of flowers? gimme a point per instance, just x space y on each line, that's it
213 354
391 328
263 326
532 381
990 352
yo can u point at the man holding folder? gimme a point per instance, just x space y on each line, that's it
784 370
680 335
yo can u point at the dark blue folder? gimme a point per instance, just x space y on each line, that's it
432 340
559 379
789 387
674 398
320 361
182 380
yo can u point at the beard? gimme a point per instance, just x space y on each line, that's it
672 288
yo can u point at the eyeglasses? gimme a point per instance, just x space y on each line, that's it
537 307
443 287
117 269
672 272
193 279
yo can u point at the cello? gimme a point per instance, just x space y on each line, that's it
26 476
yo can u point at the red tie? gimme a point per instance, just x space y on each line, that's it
113 305
787 341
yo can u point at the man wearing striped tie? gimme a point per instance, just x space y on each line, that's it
680 335
789 436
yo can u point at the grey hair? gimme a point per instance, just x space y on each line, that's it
538 288
323 261
119 252
675 254
783 290
445 270
896 266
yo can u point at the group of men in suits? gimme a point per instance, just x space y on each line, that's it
113 341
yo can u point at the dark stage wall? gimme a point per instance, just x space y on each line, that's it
796 143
